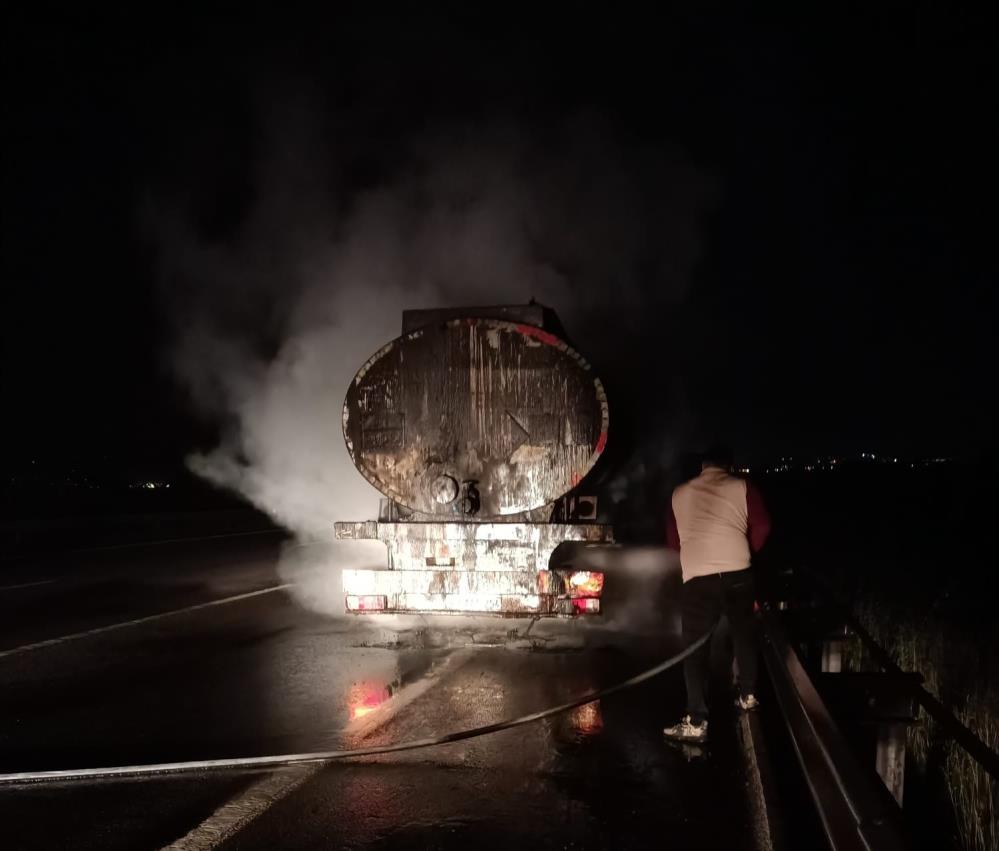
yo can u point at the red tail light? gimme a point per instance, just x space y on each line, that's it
367 603
585 583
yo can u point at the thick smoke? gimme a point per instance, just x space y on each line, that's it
273 318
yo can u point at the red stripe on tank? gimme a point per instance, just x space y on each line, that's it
538 334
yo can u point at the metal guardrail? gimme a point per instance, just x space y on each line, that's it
855 812
949 724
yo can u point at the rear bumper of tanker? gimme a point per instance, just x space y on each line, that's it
473 568
546 593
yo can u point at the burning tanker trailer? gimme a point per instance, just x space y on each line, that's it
478 426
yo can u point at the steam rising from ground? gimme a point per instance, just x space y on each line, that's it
274 316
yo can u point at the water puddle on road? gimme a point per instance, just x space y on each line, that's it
365 697
587 720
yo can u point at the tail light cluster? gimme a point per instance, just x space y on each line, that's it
367 603
578 591
585 583
570 592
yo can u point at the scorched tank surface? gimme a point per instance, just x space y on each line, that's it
506 412
475 423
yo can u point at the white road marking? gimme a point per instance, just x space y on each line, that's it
350 753
244 808
51 642
172 541
134 544
360 728
238 812
27 584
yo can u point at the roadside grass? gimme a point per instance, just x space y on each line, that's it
962 670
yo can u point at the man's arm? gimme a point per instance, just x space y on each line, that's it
758 524
672 533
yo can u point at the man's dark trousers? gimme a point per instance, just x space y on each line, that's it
704 599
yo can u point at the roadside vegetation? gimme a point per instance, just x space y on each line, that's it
910 547
960 670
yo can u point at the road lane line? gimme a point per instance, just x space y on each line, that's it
51 642
10 557
360 728
238 812
21 777
241 810
26 585
156 543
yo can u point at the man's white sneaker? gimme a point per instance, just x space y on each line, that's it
687 731
747 703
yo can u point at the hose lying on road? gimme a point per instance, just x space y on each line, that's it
324 756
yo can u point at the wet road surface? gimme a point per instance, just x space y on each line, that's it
264 675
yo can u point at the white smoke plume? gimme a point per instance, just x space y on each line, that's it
273 320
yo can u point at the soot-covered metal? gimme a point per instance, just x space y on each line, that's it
475 417
473 424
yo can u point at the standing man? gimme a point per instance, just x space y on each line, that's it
716 521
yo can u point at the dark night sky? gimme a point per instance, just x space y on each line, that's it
846 293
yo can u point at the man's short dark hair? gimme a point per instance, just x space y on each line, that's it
718 455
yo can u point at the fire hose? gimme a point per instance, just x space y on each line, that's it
23 777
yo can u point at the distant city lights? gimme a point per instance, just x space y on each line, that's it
787 464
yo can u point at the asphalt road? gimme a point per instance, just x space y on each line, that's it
213 669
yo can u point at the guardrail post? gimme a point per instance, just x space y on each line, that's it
832 656
890 758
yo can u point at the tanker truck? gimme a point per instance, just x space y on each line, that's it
478 425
